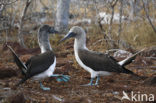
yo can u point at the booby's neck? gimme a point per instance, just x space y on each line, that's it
45 47
80 42
44 43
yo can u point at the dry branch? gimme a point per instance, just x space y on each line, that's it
147 15
112 4
20 35
120 19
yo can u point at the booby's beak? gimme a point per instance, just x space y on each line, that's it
52 30
67 36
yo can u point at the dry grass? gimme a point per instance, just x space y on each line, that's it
139 34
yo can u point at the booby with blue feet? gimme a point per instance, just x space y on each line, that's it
97 64
43 65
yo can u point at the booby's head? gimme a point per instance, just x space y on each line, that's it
47 29
75 32
43 37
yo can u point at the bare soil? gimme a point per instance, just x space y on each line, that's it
109 90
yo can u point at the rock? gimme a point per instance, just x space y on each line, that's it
7 73
122 54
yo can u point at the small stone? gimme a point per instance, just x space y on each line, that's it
43 100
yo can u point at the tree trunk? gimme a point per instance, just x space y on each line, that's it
135 9
62 15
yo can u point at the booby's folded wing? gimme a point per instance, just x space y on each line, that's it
39 63
18 62
101 62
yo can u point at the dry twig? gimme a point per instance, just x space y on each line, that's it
20 35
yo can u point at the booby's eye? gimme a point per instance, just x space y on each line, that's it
72 34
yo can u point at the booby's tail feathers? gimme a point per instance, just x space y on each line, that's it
129 59
127 71
134 74
137 76
130 72
18 62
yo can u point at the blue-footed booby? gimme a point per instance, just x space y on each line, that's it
97 64
43 65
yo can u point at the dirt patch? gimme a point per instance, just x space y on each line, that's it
109 90
150 81
16 98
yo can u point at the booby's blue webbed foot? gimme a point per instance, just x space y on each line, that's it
43 87
97 80
61 78
64 78
91 82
